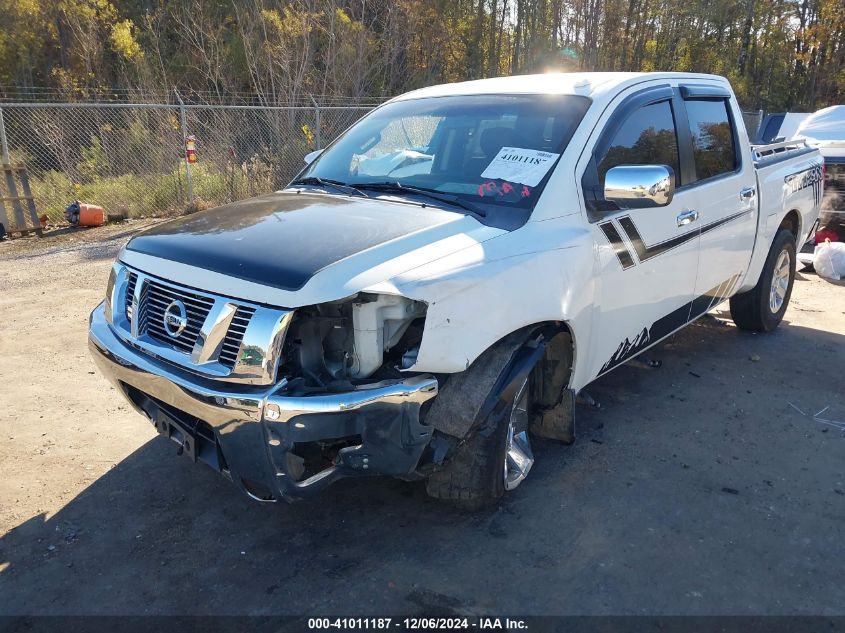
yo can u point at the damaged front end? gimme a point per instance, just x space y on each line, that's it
310 396
346 358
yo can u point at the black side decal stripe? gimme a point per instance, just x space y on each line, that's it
648 336
702 303
664 326
644 253
725 220
619 247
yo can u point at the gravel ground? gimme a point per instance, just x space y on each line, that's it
699 488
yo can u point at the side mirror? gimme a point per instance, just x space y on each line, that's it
633 186
310 156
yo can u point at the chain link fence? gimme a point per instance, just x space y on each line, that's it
130 158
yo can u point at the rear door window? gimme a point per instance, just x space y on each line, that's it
712 135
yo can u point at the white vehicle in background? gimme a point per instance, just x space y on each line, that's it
825 130
439 283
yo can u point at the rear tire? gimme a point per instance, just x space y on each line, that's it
761 309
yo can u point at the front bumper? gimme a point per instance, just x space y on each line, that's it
250 434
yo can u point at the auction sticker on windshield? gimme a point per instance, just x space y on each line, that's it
525 166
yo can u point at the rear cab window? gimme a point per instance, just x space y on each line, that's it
712 137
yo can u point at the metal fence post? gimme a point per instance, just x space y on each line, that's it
11 185
4 145
184 147
4 219
316 123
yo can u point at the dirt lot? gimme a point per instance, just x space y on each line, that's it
696 488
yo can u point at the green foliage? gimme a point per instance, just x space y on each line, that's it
94 163
123 42
53 190
135 196
781 54
778 54
150 195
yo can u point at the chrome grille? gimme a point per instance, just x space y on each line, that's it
130 292
155 301
234 337
217 332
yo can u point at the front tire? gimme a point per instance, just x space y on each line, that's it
761 309
490 461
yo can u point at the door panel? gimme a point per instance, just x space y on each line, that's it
647 275
727 204
647 257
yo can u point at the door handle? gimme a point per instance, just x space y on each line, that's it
747 194
685 217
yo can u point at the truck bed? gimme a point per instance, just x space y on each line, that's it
771 153
787 181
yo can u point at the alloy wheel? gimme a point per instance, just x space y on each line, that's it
780 282
518 455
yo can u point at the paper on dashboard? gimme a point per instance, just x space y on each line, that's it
525 166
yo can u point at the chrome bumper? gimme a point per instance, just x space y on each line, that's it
249 433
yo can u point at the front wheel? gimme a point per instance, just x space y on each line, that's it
761 309
490 462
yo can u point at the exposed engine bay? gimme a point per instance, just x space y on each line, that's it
335 345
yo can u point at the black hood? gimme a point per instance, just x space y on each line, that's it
283 239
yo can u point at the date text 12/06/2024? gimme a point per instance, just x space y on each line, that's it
418 624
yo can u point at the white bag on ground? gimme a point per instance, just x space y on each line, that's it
829 261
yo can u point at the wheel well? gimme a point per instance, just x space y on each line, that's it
470 395
556 327
792 223
550 331
524 334
522 338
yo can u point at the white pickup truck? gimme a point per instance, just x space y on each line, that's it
437 285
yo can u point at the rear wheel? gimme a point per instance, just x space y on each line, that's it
761 309
489 462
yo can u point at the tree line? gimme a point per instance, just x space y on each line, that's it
779 54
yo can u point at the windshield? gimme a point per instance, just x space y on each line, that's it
493 151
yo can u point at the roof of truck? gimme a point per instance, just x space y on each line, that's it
586 84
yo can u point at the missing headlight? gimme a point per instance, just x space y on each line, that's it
353 339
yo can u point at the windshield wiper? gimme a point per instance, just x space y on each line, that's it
396 186
327 182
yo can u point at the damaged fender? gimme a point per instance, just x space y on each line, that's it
481 294
476 399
